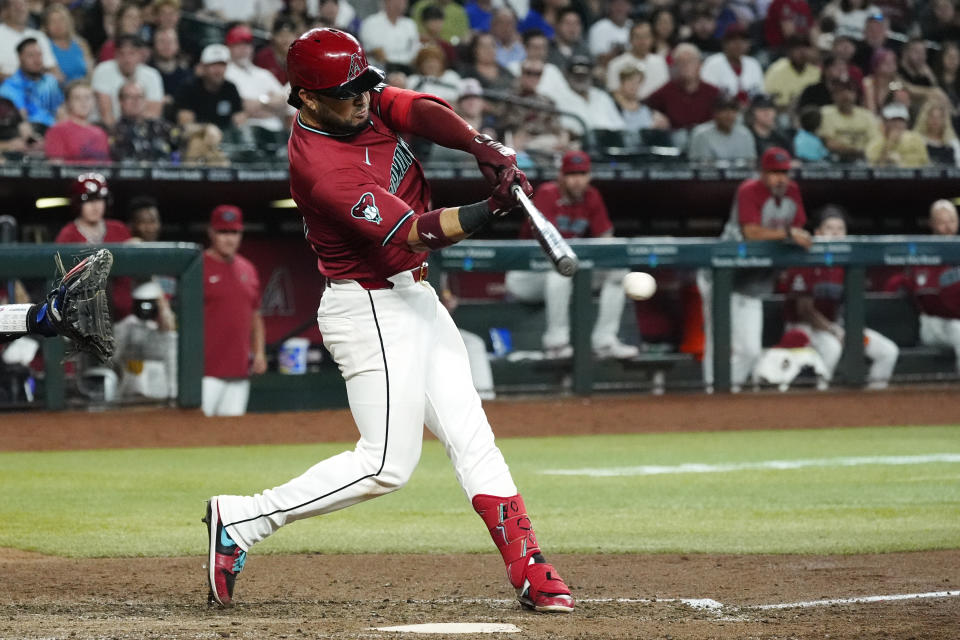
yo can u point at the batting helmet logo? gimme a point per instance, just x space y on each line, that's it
356 68
366 209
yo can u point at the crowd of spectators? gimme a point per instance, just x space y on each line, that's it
873 82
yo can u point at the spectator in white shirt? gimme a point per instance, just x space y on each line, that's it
656 74
15 16
264 101
258 12
595 107
536 45
127 65
389 37
608 36
732 71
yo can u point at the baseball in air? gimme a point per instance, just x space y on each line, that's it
639 285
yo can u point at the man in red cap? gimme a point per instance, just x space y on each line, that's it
264 100
766 208
576 208
233 335
366 209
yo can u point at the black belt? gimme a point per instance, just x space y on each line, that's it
419 273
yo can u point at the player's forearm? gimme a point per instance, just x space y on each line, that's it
444 227
258 336
437 123
759 232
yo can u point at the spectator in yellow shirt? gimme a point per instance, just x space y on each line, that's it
845 128
786 78
898 147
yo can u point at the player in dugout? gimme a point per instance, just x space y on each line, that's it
366 209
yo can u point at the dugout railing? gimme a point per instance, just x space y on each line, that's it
183 261
854 253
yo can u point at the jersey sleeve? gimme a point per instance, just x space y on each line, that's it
800 217
364 208
749 205
393 106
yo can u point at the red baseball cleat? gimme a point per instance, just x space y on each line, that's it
225 559
544 590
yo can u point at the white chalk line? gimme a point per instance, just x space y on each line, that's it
719 608
857 600
776 465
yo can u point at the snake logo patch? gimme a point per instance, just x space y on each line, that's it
355 67
366 209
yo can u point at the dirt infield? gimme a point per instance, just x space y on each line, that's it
690 597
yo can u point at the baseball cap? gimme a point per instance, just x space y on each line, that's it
775 159
149 290
239 34
726 103
735 30
470 87
213 53
575 162
896 110
762 101
226 217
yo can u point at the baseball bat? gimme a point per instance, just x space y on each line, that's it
554 246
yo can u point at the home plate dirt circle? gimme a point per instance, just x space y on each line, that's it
452 627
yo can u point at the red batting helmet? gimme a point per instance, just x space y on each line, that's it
89 186
332 63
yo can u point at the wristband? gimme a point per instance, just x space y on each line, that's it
430 231
15 318
475 216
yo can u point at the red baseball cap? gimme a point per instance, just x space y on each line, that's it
239 34
226 217
575 162
775 159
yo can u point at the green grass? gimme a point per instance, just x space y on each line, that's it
149 502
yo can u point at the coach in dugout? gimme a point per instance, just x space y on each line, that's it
233 328
765 208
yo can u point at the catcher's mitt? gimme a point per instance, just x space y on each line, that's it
78 307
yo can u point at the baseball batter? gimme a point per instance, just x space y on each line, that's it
366 210
814 307
766 208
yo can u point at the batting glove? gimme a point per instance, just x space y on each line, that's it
502 201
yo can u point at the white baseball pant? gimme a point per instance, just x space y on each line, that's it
404 364
941 332
879 349
224 397
746 332
555 291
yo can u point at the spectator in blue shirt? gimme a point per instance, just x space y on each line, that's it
35 93
807 146
479 13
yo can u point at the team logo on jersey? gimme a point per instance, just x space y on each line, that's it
366 209
355 68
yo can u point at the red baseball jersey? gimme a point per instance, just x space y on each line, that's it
360 194
115 231
584 218
936 289
231 293
824 284
754 204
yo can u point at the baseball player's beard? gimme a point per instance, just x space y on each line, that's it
345 129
